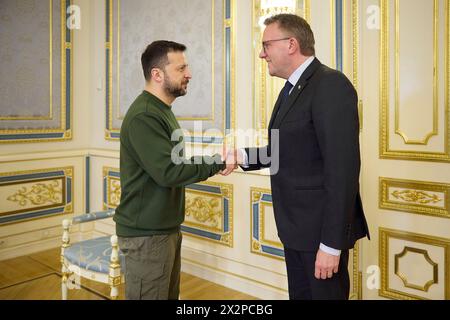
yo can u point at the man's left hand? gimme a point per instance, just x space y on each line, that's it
326 265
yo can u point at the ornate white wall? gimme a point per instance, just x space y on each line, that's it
230 236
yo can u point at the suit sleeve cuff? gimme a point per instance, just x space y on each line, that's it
326 249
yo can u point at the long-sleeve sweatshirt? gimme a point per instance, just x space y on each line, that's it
152 183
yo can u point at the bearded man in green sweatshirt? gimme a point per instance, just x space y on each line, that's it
152 204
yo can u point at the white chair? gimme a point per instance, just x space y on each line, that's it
96 259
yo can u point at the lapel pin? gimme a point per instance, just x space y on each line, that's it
299 86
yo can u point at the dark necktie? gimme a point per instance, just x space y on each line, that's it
286 89
284 95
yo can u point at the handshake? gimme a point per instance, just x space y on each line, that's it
232 158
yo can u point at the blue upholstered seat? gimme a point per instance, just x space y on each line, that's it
93 255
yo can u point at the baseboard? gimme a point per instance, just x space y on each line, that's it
259 284
30 248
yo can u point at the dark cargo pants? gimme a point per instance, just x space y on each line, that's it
152 266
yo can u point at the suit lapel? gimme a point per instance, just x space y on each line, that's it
301 84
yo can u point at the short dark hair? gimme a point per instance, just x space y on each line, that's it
155 55
298 28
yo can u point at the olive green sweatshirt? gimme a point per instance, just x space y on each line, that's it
152 199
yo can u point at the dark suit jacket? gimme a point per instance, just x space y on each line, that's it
315 192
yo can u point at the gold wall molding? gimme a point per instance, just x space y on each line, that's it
111 188
356 289
111 43
421 197
356 292
228 66
111 132
307 10
355 42
46 192
260 200
50 111
416 196
209 212
434 131
404 278
333 62
355 35
34 194
64 130
114 192
386 235
386 151
204 210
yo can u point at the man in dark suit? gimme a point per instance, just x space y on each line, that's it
314 164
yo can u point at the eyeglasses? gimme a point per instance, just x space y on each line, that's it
265 44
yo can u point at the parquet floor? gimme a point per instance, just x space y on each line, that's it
38 277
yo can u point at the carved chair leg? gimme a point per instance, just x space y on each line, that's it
114 292
65 276
64 270
114 268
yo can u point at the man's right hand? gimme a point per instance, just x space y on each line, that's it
232 158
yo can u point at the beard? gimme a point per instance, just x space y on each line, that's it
174 89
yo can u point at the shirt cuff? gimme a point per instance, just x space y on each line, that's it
244 158
334 252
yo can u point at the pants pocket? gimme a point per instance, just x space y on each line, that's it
148 283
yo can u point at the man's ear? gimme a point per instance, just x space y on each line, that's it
157 75
294 45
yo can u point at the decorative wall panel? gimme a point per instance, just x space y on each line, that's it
111 188
414 117
427 198
209 35
414 266
209 212
264 236
355 273
35 71
26 195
